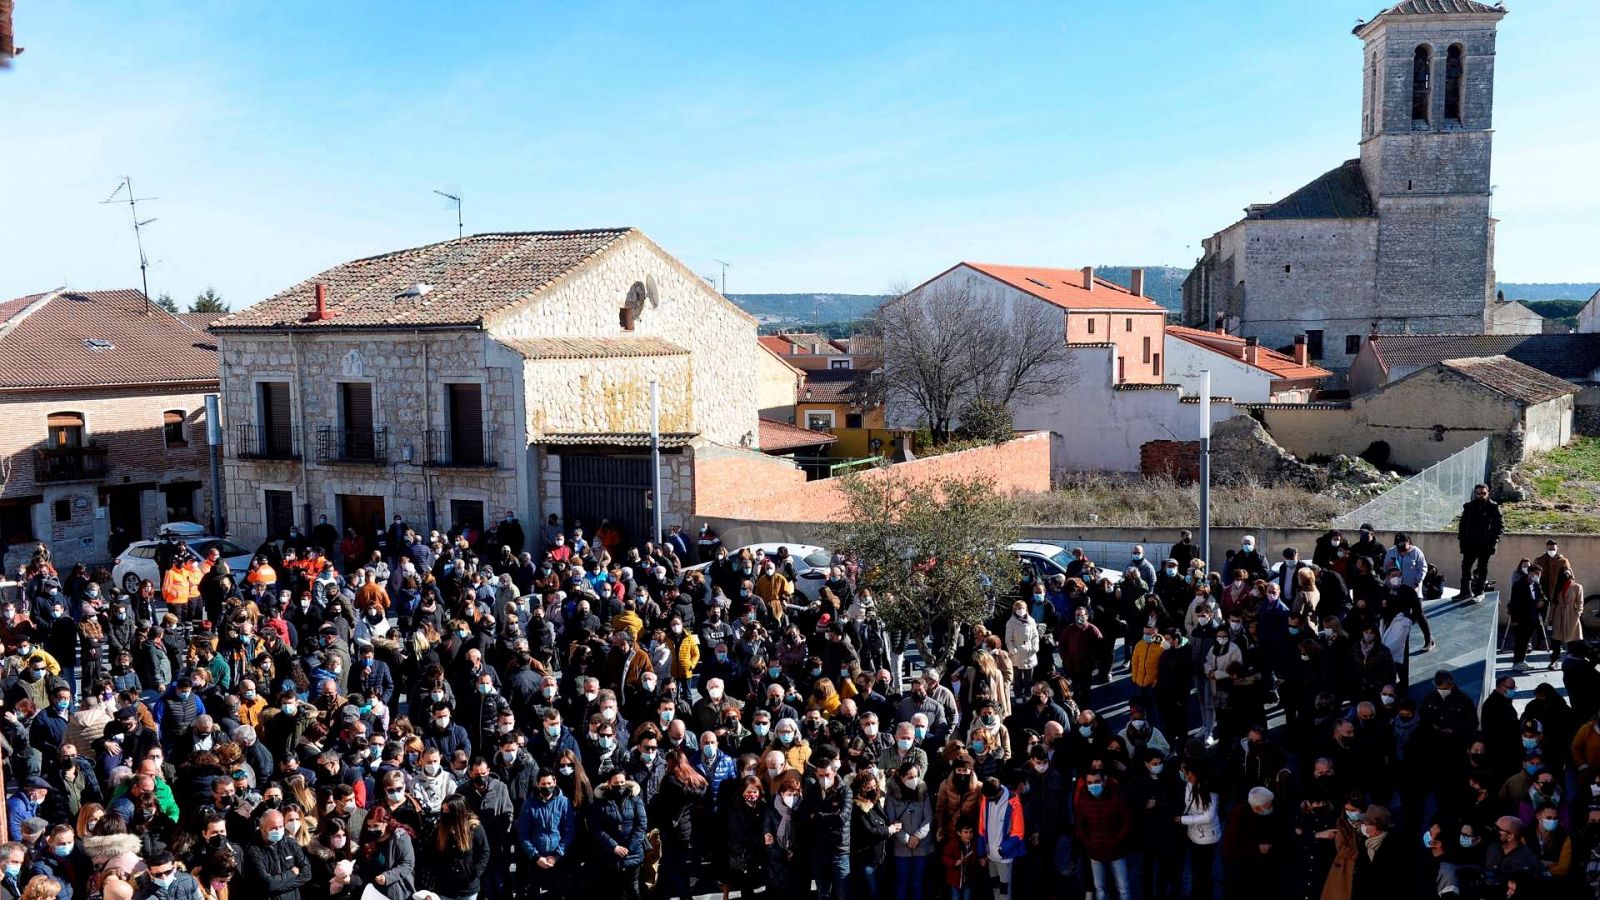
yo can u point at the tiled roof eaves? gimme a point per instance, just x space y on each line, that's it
1130 386
1324 404
196 383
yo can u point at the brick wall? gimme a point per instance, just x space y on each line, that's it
1179 460
745 489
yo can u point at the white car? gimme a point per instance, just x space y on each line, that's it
138 561
810 565
1048 560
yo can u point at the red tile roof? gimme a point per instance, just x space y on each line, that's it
829 386
1064 288
1277 364
778 355
468 279
44 342
779 437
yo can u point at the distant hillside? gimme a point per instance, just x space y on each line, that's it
793 309
1553 291
1163 284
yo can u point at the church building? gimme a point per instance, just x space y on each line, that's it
1400 240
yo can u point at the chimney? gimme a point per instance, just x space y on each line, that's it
1252 350
1302 356
321 313
1136 282
1221 325
1088 278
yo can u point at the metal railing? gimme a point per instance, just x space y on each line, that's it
353 445
461 448
272 442
1427 501
69 463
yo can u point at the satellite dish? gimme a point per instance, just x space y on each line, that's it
651 292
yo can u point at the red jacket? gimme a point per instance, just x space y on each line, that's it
959 861
1102 822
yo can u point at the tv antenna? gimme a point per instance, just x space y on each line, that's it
138 236
724 288
457 198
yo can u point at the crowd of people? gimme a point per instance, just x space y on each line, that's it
505 715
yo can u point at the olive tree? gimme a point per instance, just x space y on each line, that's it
933 553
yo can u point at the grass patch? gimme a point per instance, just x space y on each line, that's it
1566 490
1133 501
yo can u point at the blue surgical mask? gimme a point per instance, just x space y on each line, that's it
12 871
977 746
774 671
1549 824
1529 743
1353 815
1531 769
1096 790
921 731
1466 841
761 729
274 835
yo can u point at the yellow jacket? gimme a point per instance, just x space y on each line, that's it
687 659
1586 745
1145 657
773 587
181 584
630 620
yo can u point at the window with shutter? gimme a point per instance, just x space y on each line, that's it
355 404
276 425
466 423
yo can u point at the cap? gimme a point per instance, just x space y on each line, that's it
1367 526
34 782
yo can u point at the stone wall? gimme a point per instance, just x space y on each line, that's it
1020 465
685 310
604 395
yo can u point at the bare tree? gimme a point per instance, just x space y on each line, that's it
944 346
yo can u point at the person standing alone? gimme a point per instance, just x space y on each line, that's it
1479 534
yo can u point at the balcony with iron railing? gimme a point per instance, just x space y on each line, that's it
84 463
461 448
271 442
353 445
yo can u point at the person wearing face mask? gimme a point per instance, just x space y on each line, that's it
617 827
1448 720
443 734
1253 844
788 875
1248 558
1022 639
387 860
1080 642
908 807
275 867
1381 859
825 815
1225 654
1508 853
1373 663
958 796
1103 829
546 829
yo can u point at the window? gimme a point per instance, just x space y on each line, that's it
1127 325
1091 326
1121 370
466 514
852 420
466 423
1155 365
1352 344
277 509
1421 83
1454 67
838 363
63 510
819 419
66 429
272 405
180 500
16 520
172 429
355 418
1313 343
1147 349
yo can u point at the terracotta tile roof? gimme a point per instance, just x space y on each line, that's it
829 386
1064 288
778 437
1279 365
592 348
776 344
1510 378
778 355
670 440
199 321
1438 7
44 342
1336 194
1572 356
469 278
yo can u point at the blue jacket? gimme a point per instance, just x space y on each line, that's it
546 827
619 822
454 738
721 769
18 808
544 751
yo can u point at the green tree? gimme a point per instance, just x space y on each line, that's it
208 301
985 420
166 302
932 553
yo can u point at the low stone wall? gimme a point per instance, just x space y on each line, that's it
734 489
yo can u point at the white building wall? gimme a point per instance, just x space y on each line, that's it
1231 378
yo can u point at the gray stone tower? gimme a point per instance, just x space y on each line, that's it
1426 136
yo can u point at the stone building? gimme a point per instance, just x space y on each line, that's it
1400 239
102 422
452 382
1240 367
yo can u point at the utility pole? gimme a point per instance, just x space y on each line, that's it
138 237
457 199
1205 467
655 458
724 289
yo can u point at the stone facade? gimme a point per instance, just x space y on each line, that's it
1412 250
708 389
139 462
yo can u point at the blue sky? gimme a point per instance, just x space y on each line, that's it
815 147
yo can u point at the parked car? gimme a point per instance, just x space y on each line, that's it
1048 560
138 561
810 565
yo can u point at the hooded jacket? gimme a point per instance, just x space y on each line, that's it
619 821
1007 841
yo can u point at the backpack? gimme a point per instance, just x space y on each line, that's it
1432 583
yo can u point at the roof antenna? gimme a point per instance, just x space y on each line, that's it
138 238
724 289
457 198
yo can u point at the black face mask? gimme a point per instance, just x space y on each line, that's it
962 780
545 793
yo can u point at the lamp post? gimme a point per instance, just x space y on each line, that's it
655 459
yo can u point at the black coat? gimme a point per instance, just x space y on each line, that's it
268 869
745 832
674 810
618 822
1480 527
825 821
457 873
1375 878
869 836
